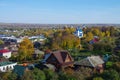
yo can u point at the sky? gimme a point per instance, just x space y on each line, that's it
60 11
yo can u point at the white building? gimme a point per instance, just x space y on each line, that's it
5 53
78 33
19 40
6 66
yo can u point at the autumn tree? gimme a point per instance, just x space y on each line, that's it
96 31
89 36
1 42
107 33
26 49
65 40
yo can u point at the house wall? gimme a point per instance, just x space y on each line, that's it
99 68
54 61
67 59
7 54
7 67
80 34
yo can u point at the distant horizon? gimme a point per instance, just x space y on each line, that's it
63 23
60 11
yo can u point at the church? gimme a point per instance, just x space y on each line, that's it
78 33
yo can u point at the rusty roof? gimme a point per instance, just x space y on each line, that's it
61 56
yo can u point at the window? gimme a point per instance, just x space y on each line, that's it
3 68
10 67
53 59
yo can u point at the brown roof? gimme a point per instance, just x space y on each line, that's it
61 56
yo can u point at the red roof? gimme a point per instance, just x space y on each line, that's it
4 51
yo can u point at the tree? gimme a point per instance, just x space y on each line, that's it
98 78
27 76
102 35
63 76
89 36
111 75
64 40
50 75
26 49
12 76
35 74
96 31
9 76
117 66
1 42
102 48
112 31
107 33
117 41
38 74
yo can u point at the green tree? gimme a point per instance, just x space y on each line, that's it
111 75
117 66
38 74
63 76
98 78
27 76
8 76
102 48
50 75
12 76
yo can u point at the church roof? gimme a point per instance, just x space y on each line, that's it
80 30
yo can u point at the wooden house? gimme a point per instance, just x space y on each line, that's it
93 62
60 59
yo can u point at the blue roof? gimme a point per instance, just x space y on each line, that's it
46 57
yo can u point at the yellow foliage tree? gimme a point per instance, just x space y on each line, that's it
65 40
89 36
26 49
107 33
96 31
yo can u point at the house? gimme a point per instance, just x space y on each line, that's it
3 46
94 62
94 40
50 66
5 52
60 59
38 38
37 53
21 69
78 33
6 65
